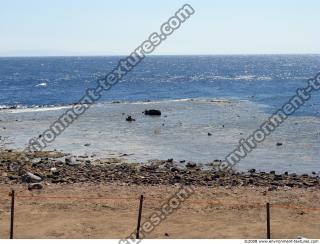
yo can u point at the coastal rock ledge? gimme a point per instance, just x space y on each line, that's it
37 166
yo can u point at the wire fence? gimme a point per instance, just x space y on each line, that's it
142 202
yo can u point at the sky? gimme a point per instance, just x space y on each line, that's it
103 27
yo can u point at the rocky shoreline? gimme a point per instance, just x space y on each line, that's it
36 170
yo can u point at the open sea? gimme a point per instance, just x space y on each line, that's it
228 96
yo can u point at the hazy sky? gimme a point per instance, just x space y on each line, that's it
102 27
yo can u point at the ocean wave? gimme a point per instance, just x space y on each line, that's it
43 108
43 84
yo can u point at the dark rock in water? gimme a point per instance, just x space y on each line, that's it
272 172
87 144
130 119
152 112
33 186
209 134
286 173
170 160
217 160
279 144
251 170
182 161
29 178
191 165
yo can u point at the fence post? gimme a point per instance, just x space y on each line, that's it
139 217
268 221
12 214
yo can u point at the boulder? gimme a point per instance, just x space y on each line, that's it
33 186
130 119
71 161
191 165
152 112
30 178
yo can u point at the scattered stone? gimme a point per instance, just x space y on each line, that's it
174 169
71 161
177 177
152 112
50 169
130 119
272 188
191 165
33 186
29 178
279 144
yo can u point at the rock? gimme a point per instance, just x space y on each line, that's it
177 177
33 186
71 161
174 169
191 165
289 184
279 144
130 119
251 170
29 178
166 234
272 188
251 181
170 160
152 112
182 161
272 172
209 134
87 144
53 170
278 177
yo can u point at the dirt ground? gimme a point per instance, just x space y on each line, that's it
110 211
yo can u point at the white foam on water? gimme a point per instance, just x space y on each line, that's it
43 84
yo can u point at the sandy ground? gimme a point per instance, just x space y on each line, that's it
110 211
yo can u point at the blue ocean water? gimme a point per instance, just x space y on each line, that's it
268 80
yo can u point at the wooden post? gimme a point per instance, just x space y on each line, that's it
139 217
268 221
12 214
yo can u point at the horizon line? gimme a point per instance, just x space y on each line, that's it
124 55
